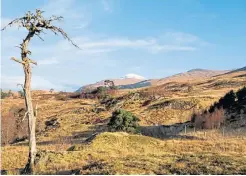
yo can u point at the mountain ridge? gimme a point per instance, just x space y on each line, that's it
131 81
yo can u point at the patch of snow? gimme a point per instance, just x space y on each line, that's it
135 76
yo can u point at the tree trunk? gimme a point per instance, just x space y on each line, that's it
31 118
28 101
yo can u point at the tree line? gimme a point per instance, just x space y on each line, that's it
214 116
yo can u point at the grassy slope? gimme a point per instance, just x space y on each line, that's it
128 154
121 153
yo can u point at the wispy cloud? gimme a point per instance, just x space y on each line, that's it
50 61
60 7
75 15
107 6
38 82
174 42
181 38
170 48
117 42
169 42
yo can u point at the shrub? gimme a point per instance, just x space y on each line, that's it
193 117
100 92
214 120
62 97
10 93
51 90
241 94
199 121
122 120
190 88
21 93
209 120
3 94
13 128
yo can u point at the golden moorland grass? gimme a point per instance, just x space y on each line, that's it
120 153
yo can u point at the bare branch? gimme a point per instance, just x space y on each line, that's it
57 30
39 37
35 23
55 18
18 47
15 21
33 62
21 86
29 52
24 116
17 60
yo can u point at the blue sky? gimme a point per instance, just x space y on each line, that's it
150 38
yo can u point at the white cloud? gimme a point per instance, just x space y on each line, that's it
106 6
118 42
50 61
183 38
170 48
153 45
81 26
97 46
75 17
38 82
59 7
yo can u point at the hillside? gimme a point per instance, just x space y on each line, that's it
67 127
239 70
191 75
132 81
129 79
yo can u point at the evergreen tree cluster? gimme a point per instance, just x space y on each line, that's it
122 120
231 99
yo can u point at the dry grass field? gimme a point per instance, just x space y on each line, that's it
65 124
122 153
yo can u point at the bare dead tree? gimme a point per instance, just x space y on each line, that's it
35 24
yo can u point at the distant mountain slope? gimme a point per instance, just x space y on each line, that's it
128 79
132 81
191 75
144 83
237 70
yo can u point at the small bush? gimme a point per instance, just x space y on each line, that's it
14 128
3 94
214 120
21 93
62 97
210 120
10 93
122 120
